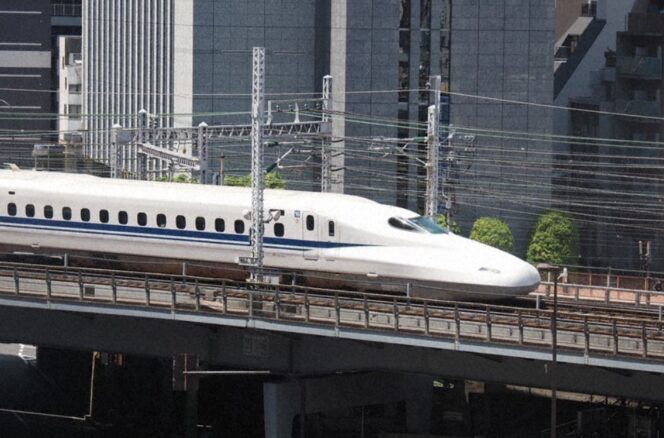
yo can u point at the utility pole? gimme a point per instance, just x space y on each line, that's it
326 129
433 150
222 170
257 179
203 153
115 150
644 256
449 201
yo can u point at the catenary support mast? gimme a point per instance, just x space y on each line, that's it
257 178
433 149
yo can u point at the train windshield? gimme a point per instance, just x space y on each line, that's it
427 224
420 224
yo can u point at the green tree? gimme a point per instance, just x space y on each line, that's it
441 219
555 239
492 231
180 178
273 180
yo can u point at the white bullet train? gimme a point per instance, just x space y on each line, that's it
327 239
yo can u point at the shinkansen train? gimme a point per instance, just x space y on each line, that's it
325 239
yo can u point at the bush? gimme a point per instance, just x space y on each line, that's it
441 219
555 239
494 232
272 181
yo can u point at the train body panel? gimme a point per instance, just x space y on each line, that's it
340 238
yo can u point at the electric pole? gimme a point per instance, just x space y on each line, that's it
433 149
257 179
326 128
203 153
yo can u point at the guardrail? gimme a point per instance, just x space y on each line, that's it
606 294
461 322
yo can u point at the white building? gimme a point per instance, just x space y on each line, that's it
69 89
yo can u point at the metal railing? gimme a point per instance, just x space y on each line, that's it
459 322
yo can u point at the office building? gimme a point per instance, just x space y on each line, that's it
138 55
25 64
614 188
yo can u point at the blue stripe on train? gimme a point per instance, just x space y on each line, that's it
163 233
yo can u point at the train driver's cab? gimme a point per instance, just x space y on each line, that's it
418 224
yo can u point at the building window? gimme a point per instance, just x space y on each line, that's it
123 218
85 215
279 230
103 216
404 14
239 226
311 224
11 209
330 228
142 219
180 222
200 223
74 112
161 220
66 213
48 212
219 225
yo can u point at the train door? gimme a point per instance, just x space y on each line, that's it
331 232
310 227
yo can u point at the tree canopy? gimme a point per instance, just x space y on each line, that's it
273 180
493 231
441 219
555 239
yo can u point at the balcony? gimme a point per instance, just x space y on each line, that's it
641 67
645 24
648 108
65 10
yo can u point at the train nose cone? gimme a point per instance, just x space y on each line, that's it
527 276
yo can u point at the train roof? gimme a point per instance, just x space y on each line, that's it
82 185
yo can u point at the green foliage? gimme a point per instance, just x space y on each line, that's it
492 231
441 219
555 239
181 178
272 181
237 181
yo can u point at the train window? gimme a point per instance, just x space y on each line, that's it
142 219
310 222
48 211
239 226
200 223
161 220
103 216
30 210
401 223
330 228
428 225
181 222
66 213
279 229
219 225
85 215
123 218
11 209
